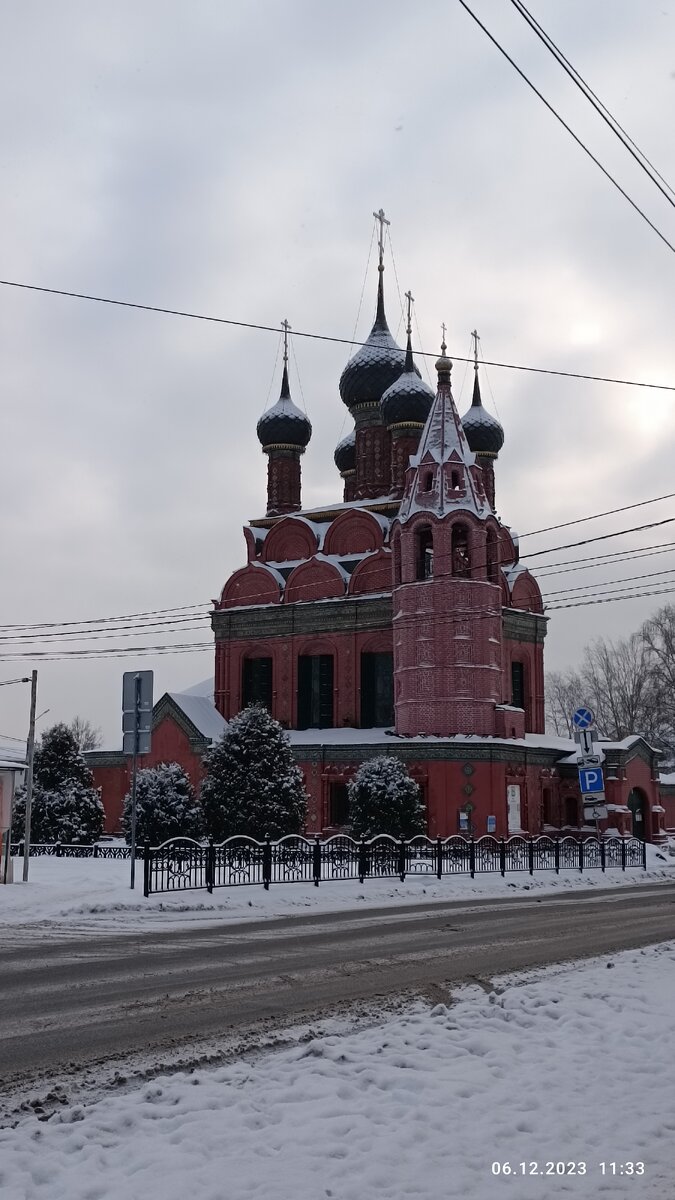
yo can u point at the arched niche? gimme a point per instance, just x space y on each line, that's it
374 574
250 585
289 540
314 580
353 532
525 593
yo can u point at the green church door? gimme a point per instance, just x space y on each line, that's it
636 804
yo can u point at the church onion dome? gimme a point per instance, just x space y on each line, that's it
345 453
408 400
376 364
483 431
284 424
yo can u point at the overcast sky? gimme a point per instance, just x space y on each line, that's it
226 159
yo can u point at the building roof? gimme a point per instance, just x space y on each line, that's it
201 712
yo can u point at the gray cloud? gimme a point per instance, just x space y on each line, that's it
226 159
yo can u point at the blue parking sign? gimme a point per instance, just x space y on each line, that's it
591 780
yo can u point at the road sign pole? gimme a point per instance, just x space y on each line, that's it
30 753
134 769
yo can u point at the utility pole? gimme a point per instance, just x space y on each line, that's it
30 753
134 773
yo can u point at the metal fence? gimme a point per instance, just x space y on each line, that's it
73 850
182 863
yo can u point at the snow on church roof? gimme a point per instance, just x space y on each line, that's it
202 713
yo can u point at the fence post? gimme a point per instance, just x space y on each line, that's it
267 863
401 860
210 865
502 856
316 861
439 858
530 855
472 857
58 849
581 854
556 856
623 853
146 869
644 855
602 852
363 862
95 849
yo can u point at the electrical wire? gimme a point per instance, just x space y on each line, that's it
569 129
578 80
596 516
601 537
324 337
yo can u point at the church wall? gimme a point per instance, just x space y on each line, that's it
169 743
346 649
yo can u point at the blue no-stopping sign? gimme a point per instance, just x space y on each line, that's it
583 718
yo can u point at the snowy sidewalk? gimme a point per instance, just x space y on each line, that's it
88 893
568 1066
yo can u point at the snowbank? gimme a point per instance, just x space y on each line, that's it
569 1065
95 894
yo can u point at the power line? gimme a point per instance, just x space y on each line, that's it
324 337
611 599
617 557
601 537
605 583
617 129
569 129
596 516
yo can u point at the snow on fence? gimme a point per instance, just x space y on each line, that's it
74 850
182 863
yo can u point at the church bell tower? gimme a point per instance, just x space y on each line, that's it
446 593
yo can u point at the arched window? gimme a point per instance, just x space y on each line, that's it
454 480
461 559
427 481
424 557
492 557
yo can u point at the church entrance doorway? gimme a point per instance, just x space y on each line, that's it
638 808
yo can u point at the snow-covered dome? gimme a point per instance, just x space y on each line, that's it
345 453
483 432
409 398
376 364
284 424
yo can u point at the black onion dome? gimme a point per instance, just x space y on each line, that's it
284 424
409 398
376 364
483 431
345 453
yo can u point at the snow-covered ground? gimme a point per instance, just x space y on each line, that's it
569 1065
95 894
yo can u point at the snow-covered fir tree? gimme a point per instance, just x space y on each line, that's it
66 806
384 799
165 806
252 785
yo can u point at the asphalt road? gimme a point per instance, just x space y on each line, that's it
66 1002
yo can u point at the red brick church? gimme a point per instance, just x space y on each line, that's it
398 620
